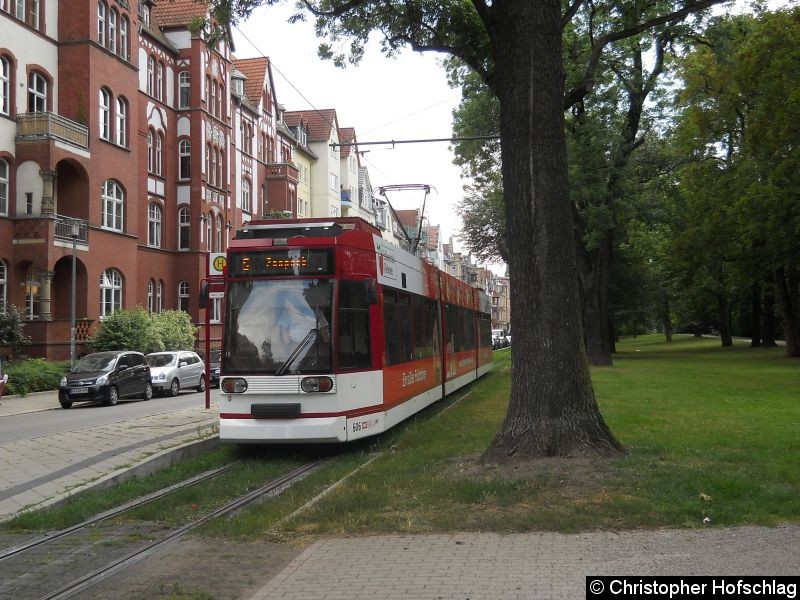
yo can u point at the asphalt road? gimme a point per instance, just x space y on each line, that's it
87 415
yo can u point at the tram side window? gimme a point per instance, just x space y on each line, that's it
353 329
425 328
398 327
484 330
460 328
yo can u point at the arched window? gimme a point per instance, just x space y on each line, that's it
212 175
159 296
102 11
220 169
184 91
104 124
150 151
184 159
184 228
151 75
123 37
113 202
122 122
3 286
154 226
110 292
213 108
150 295
209 219
112 30
4 170
218 240
160 81
37 92
159 153
246 195
5 86
183 296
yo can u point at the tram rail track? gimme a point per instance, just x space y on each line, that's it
87 580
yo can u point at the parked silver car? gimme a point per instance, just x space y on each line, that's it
176 370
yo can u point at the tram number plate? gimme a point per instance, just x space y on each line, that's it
81 390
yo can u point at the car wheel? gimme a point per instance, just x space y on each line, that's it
112 396
65 404
201 386
148 391
174 388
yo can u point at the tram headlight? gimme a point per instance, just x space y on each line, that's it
234 385
316 384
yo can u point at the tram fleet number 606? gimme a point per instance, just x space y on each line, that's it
331 333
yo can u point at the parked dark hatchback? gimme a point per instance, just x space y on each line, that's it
106 377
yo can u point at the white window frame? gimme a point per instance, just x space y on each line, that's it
151 74
154 219
104 119
183 296
215 314
184 89
5 170
184 159
150 295
110 292
3 286
247 195
37 92
184 224
122 122
113 202
159 296
102 12
113 19
5 86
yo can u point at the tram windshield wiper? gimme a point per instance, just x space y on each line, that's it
311 335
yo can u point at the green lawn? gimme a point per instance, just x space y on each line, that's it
713 434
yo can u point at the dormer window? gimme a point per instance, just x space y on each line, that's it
144 13
237 82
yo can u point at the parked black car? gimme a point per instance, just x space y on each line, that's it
213 368
107 377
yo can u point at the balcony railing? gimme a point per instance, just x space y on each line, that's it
63 229
275 170
46 125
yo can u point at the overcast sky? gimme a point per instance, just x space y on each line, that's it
383 99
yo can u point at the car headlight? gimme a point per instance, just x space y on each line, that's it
102 380
161 376
63 382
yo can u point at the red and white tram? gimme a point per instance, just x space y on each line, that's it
331 333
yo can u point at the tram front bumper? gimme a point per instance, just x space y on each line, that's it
278 431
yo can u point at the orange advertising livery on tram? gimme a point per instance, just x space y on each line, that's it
331 333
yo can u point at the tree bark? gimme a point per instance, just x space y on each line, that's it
552 409
724 308
768 317
598 333
755 317
787 289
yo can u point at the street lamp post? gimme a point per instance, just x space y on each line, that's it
75 232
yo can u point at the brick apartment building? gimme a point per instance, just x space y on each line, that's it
128 141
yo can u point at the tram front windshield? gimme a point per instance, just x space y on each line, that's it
278 327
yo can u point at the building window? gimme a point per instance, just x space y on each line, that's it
105 114
113 201
159 296
3 286
122 122
184 91
37 93
183 296
184 159
212 175
213 102
144 13
160 81
220 168
334 182
208 232
110 292
28 203
215 315
154 226
5 86
151 75
150 151
246 195
159 153
3 187
112 30
123 37
218 241
102 11
184 229
33 14
150 295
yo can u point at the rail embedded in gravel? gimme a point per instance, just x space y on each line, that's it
8 552
273 487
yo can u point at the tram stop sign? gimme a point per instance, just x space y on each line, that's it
216 263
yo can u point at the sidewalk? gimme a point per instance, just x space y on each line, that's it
46 470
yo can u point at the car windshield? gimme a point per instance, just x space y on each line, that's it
278 326
161 360
95 362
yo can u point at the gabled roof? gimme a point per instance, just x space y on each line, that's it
256 70
346 135
178 13
320 122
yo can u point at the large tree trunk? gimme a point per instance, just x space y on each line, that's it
552 409
724 308
787 289
768 317
598 331
755 318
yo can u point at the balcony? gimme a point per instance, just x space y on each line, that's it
346 202
283 171
63 229
46 125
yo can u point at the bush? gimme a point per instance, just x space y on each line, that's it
34 375
139 330
11 326
176 329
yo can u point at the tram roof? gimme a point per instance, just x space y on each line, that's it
313 227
